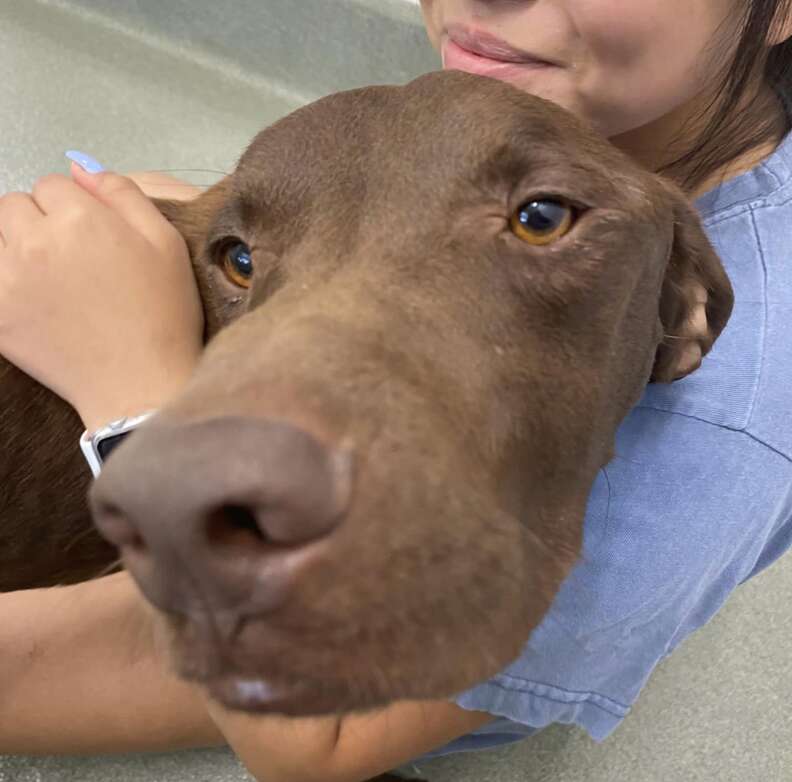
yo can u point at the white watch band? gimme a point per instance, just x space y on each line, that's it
90 442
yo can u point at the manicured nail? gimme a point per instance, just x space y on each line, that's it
86 162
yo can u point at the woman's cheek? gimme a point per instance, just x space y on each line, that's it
431 16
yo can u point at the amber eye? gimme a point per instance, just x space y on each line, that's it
542 222
238 264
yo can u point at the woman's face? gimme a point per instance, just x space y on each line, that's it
622 64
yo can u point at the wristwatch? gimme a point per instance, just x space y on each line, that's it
97 446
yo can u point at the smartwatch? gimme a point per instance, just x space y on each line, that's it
97 446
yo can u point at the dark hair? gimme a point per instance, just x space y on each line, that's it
726 135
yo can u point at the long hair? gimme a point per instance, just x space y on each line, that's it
727 134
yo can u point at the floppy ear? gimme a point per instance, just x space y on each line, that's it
695 285
193 220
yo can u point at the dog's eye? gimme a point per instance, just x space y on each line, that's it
238 264
542 222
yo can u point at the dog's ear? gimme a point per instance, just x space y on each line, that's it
696 299
193 219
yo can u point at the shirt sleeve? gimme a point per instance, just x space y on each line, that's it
685 512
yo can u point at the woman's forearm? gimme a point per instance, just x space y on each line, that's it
79 674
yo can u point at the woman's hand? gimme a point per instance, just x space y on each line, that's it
97 297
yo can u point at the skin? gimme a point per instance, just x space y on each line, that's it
633 69
49 225
54 702
637 71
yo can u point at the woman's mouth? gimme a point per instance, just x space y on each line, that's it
485 55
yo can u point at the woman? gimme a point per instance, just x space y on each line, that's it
697 501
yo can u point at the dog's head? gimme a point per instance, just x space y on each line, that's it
445 297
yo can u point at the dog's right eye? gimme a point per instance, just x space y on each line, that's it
238 264
542 221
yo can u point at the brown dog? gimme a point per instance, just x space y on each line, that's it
446 298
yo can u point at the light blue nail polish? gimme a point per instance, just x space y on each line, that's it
85 162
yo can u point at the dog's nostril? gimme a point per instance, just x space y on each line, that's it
242 519
233 525
117 528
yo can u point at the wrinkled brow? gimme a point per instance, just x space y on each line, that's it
550 170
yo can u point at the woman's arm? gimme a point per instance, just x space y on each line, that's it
352 749
82 672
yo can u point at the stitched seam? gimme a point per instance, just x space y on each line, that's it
606 525
774 203
764 323
769 171
716 218
607 509
617 709
689 415
712 219
756 198
767 445
719 426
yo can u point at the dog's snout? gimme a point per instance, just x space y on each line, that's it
221 510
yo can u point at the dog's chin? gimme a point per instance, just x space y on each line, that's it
257 696
240 693
253 686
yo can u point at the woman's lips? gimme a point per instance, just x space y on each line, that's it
486 56
490 46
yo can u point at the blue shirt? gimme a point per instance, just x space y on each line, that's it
697 500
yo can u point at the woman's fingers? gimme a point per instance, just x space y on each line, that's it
108 192
158 185
127 200
18 214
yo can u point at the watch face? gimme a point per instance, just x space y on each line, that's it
107 445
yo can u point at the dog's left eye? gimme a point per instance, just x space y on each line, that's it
238 264
542 221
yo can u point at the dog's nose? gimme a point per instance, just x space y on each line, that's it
221 514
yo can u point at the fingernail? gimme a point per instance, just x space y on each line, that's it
86 162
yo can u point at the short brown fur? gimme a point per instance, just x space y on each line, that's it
478 379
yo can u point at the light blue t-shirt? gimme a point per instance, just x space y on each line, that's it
697 500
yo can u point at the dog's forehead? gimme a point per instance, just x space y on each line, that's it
435 135
450 111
